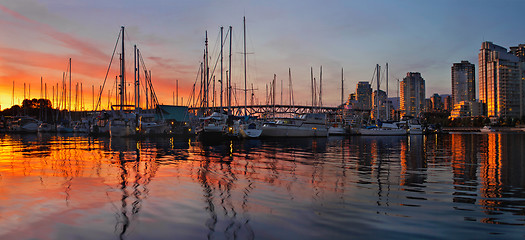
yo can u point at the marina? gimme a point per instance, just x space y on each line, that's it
262 120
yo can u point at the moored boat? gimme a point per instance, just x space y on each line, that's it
24 125
386 129
487 129
308 125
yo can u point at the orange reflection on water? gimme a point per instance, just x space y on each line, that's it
45 178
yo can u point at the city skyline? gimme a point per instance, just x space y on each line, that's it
411 36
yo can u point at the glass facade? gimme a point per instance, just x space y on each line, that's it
499 81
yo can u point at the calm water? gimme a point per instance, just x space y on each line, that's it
464 186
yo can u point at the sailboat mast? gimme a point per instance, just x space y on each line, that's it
273 95
230 74
377 92
342 86
202 94
69 85
146 88
244 25
387 104
291 86
321 87
138 78
281 92
135 73
76 97
222 78
207 77
312 84
122 72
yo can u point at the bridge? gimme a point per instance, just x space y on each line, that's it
261 110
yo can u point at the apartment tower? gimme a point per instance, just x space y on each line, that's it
499 82
412 94
463 82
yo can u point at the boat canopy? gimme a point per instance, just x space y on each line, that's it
174 113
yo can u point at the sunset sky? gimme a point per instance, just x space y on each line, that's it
38 37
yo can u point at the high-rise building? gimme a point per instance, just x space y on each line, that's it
436 102
447 102
463 82
412 94
519 52
499 81
382 108
363 94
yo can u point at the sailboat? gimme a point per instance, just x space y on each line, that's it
305 125
337 127
382 128
248 127
65 125
123 121
213 126
24 124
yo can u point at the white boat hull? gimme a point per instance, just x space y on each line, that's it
293 131
251 133
382 132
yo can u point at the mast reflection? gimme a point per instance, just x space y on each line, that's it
137 168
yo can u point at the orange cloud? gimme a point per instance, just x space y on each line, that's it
89 66
83 47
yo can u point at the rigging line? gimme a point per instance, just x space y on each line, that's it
146 76
195 83
216 50
218 58
190 98
373 75
254 60
129 54
107 72
383 74
153 94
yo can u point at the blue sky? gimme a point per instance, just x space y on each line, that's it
418 36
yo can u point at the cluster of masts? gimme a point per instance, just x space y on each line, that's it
62 98
123 99
205 97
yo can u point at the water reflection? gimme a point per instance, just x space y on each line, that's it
294 188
